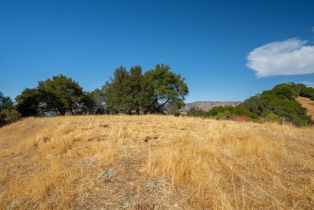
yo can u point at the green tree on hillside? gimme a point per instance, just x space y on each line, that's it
169 87
154 92
157 91
7 112
306 91
5 102
148 100
284 90
28 102
117 91
135 88
61 94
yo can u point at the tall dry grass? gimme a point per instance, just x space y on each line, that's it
54 163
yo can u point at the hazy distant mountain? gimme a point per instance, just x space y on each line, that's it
205 105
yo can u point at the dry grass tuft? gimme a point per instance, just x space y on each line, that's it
159 162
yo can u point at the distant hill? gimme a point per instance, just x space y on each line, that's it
206 105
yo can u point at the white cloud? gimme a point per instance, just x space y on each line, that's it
288 57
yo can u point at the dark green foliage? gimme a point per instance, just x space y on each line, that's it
5 102
286 108
8 116
224 112
117 92
28 102
169 87
130 92
200 113
7 112
256 104
157 91
306 91
148 100
61 94
134 85
284 90
123 93
281 101
277 105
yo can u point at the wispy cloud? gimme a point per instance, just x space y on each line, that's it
288 57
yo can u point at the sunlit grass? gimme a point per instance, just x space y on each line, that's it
53 163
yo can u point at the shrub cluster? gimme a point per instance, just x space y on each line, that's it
278 105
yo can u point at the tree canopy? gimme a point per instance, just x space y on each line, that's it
169 88
5 102
59 94
28 102
128 91
134 92
7 112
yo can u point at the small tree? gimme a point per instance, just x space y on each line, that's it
7 112
28 102
61 94
153 92
169 87
285 90
5 102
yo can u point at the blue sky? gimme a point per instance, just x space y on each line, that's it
208 42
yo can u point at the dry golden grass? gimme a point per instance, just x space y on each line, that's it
308 104
161 162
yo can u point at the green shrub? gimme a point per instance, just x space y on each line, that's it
306 91
226 115
271 117
285 90
302 121
8 116
199 113
273 105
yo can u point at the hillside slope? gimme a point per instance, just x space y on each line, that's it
308 104
154 162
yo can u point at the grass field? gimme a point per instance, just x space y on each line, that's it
154 162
